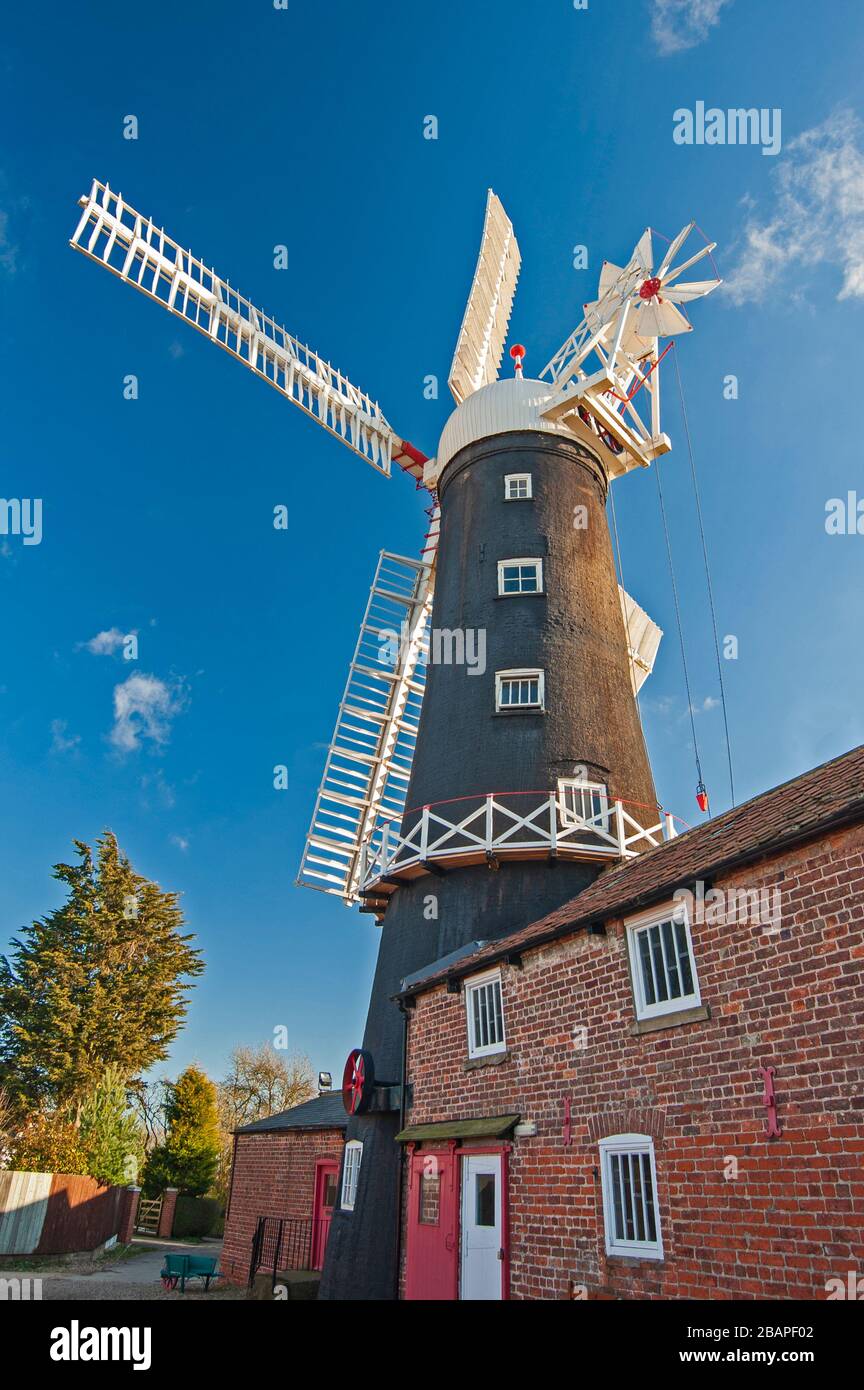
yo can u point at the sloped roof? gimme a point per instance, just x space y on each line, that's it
489 1127
322 1112
826 798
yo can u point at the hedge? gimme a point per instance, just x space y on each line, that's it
197 1216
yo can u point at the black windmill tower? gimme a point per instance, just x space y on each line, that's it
488 759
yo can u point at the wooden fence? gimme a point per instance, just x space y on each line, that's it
58 1213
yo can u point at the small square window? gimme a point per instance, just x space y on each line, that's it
630 1212
661 962
350 1173
485 1012
517 487
518 690
520 576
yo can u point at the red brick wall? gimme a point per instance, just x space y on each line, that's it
273 1175
793 1217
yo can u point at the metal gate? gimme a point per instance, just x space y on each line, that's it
279 1245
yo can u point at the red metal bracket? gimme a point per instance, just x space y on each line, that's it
769 1099
568 1125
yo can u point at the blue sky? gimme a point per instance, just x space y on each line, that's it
304 126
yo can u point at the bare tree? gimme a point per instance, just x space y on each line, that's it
148 1099
260 1082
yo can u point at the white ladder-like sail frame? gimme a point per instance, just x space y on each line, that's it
480 345
135 249
643 639
369 763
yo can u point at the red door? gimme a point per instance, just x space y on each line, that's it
326 1181
432 1251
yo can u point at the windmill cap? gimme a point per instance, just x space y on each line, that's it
503 407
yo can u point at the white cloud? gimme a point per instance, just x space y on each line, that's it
158 788
816 217
60 741
680 24
8 249
143 709
674 709
104 643
180 842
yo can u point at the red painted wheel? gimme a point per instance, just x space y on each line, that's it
358 1081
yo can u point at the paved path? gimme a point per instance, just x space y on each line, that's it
130 1279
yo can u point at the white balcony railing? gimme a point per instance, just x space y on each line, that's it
490 829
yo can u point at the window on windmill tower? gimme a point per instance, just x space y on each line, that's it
630 1212
517 487
485 1015
515 690
350 1173
580 801
662 966
520 576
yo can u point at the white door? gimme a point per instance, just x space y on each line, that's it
482 1254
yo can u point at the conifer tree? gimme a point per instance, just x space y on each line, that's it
189 1155
100 981
111 1136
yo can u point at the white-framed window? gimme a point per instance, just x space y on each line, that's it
517 487
520 576
578 801
631 1214
519 690
485 1014
350 1173
661 961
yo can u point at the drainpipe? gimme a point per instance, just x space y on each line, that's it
403 1106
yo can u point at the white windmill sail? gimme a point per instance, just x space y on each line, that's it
369 762
135 249
643 640
487 313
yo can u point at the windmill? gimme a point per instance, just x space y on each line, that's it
594 383
505 784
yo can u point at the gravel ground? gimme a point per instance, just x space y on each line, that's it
60 1289
133 1278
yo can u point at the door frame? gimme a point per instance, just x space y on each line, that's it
322 1167
502 1151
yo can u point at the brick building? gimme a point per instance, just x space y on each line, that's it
589 1113
285 1169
